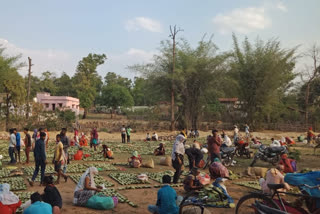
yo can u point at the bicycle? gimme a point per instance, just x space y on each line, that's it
245 205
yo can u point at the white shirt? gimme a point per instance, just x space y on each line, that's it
178 146
13 140
227 141
155 136
236 131
275 143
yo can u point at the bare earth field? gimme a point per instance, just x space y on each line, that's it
144 197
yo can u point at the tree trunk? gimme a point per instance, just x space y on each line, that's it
7 111
84 116
29 83
306 116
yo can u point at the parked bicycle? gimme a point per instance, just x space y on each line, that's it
257 202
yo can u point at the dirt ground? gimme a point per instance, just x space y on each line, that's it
144 197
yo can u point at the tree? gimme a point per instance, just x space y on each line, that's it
312 73
47 82
114 96
263 72
11 82
112 78
141 93
87 81
64 86
34 86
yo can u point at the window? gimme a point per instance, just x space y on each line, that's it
47 105
73 106
60 105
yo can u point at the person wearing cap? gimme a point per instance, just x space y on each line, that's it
191 182
177 156
214 143
136 160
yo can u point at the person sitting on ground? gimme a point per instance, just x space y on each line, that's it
273 176
289 141
191 181
38 207
160 150
83 140
148 138
217 169
154 137
52 195
255 141
275 143
166 201
136 160
194 155
107 153
86 187
286 163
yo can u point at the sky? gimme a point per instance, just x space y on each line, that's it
57 34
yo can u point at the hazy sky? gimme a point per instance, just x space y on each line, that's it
57 34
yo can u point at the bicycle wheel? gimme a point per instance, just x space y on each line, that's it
244 206
190 208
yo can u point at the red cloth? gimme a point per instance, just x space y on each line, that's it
214 144
78 155
9 209
290 141
286 162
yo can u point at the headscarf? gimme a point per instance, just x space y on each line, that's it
35 131
178 146
135 154
91 171
217 160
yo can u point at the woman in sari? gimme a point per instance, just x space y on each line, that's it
86 187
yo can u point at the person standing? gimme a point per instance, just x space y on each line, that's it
34 135
128 131
76 137
47 137
66 144
123 134
235 133
166 201
214 142
39 158
310 136
94 139
247 132
59 159
18 146
177 156
12 145
27 143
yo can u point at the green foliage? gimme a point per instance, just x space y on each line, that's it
295 154
112 78
64 86
87 82
114 96
263 71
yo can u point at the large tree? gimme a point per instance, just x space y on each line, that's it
114 96
113 78
87 81
48 82
11 83
64 86
263 71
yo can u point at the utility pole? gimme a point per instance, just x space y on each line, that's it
173 33
29 83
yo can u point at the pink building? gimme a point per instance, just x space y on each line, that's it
51 103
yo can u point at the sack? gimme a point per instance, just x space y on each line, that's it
165 161
293 164
149 164
9 209
100 202
201 164
257 171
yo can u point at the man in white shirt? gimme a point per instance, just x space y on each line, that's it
177 156
12 145
235 133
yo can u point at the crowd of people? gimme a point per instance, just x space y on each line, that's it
51 201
